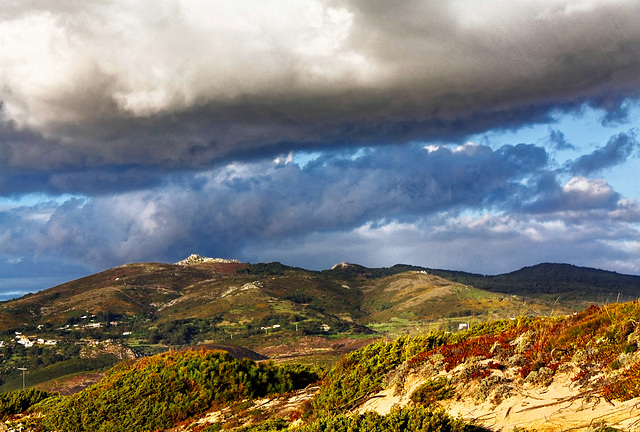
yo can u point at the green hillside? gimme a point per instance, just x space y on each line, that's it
591 358
167 390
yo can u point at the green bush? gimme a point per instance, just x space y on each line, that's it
408 419
157 392
271 425
18 401
362 372
432 391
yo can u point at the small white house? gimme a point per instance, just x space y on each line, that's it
23 340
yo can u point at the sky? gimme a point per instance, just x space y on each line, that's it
471 135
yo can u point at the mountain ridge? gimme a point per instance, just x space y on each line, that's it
153 307
139 288
549 279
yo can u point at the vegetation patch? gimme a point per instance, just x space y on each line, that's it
362 372
58 370
432 391
158 392
16 402
409 419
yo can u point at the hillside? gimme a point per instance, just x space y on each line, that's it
216 301
578 373
548 280
572 373
272 310
240 292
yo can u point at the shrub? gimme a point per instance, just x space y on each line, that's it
408 419
271 425
626 387
432 391
500 393
362 372
487 385
542 377
160 391
16 402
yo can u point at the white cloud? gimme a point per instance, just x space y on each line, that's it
284 159
627 210
582 191
487 244
432 148
149 57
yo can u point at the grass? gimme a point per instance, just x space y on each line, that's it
396 327
326 361
59 370
470 293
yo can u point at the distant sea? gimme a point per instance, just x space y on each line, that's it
11 295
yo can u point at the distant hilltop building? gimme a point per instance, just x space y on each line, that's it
196 259
341 265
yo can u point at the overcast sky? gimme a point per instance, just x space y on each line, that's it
472 135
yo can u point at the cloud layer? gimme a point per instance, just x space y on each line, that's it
183 84
315 131
470 194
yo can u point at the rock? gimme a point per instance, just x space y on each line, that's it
196 259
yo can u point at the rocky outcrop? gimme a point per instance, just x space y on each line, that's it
197 259
342 265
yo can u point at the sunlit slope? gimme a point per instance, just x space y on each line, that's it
528 373
237 294
132 289
420 295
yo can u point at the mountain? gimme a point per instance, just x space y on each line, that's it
272 309
221 299
230 296
549 280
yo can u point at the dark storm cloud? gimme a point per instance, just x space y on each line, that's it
223 209
180 85
402 201
617 150
616 111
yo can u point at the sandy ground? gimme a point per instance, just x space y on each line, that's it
562 406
